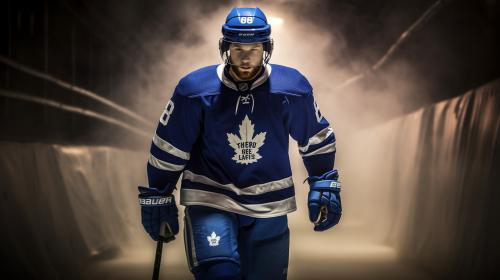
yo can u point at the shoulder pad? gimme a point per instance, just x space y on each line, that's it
286 80
201 82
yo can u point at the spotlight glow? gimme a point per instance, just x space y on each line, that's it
275 21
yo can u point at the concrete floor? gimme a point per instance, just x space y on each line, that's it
343 253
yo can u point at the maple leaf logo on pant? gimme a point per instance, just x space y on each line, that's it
213 239
246 146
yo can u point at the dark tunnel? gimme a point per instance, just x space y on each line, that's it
412 90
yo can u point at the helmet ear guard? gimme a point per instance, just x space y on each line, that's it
268 50
223 46
224 50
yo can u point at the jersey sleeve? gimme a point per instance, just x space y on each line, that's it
314 136
177 131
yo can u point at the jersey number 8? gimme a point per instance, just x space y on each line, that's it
317 112
165 116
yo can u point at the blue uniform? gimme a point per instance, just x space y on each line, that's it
229 141
258 247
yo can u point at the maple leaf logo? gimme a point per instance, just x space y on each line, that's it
213 239
246 146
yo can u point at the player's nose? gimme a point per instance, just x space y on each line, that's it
245 57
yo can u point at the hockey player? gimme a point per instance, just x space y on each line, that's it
226 129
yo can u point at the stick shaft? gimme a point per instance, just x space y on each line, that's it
159 249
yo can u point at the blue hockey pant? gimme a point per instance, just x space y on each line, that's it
225 245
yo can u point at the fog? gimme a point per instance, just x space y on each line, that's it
301 44
380 164
311 49
407 171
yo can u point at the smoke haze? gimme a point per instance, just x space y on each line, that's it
394 156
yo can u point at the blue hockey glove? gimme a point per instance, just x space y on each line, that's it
158 213
325 207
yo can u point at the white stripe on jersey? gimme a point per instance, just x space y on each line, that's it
222 202
250 190
163 165
169 148
323 150
319 137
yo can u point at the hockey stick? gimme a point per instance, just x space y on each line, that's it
166 235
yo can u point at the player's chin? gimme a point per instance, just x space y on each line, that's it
246 72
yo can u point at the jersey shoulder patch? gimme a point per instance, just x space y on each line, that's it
201 82
289 81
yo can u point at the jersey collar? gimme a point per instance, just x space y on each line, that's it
243 86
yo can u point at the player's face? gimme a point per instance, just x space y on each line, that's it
246 59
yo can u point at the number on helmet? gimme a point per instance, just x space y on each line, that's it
245 20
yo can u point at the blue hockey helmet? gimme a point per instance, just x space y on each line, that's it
246 26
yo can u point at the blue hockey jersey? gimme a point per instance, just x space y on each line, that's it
230 140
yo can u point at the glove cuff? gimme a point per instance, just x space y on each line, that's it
326 185
154 197
330 175
156 201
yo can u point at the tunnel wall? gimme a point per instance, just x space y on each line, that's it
432 178
63 207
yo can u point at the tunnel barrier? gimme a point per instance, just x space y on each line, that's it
74 109
63 207
74 89
403 37
435 175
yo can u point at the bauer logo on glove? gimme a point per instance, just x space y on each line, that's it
155 201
